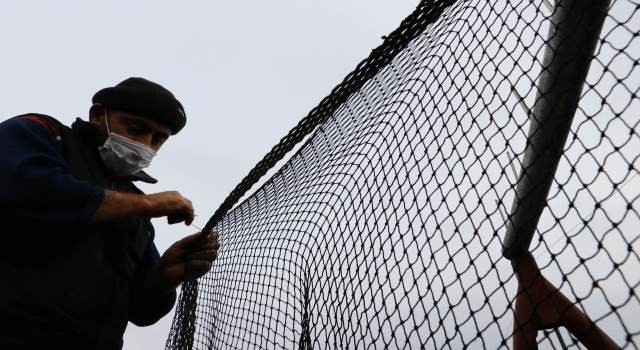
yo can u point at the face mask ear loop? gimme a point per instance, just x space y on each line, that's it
106 121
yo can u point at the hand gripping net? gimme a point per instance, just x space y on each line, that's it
472 184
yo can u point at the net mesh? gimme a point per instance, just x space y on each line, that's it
387 228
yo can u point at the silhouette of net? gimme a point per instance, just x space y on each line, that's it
386 228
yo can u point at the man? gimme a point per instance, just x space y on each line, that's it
77 258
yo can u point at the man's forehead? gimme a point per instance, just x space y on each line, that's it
149 121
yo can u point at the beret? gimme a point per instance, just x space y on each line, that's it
144 98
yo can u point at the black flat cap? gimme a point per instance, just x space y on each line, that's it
144 98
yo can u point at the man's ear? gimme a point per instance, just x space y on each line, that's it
96 114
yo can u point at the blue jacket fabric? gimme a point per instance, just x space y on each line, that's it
67 282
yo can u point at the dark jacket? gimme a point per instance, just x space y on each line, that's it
67 283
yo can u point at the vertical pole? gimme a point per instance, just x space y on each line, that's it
573 37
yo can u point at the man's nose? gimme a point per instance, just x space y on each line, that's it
144 139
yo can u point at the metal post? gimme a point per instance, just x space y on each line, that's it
573 36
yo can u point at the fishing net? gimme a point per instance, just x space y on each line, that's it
483 156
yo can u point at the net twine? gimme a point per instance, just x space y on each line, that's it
389 228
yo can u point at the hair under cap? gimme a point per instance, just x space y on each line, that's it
144 98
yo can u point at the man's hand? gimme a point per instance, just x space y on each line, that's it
116 205
169 272
170 204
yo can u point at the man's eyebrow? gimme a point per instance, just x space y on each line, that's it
138 121
141 123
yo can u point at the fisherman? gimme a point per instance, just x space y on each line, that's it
77 258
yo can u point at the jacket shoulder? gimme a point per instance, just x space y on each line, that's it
55 127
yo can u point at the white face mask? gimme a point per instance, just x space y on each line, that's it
122 156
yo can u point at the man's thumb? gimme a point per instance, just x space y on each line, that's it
186 242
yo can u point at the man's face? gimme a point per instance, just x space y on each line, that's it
143 130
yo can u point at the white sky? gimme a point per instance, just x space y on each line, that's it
245 71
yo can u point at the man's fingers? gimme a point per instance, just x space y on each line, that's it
174 218
200 268
202 259
177 218
200 262
200 252
201 255
188 213
210 243
180 216
172 205
187 241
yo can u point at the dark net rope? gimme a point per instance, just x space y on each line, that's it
387 228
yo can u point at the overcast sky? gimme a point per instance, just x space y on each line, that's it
245 71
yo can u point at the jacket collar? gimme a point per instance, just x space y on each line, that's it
88 132
139 176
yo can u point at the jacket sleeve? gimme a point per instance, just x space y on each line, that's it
34 183
144 311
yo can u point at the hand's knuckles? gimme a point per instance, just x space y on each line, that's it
201 265
198 263
212 245
202 255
